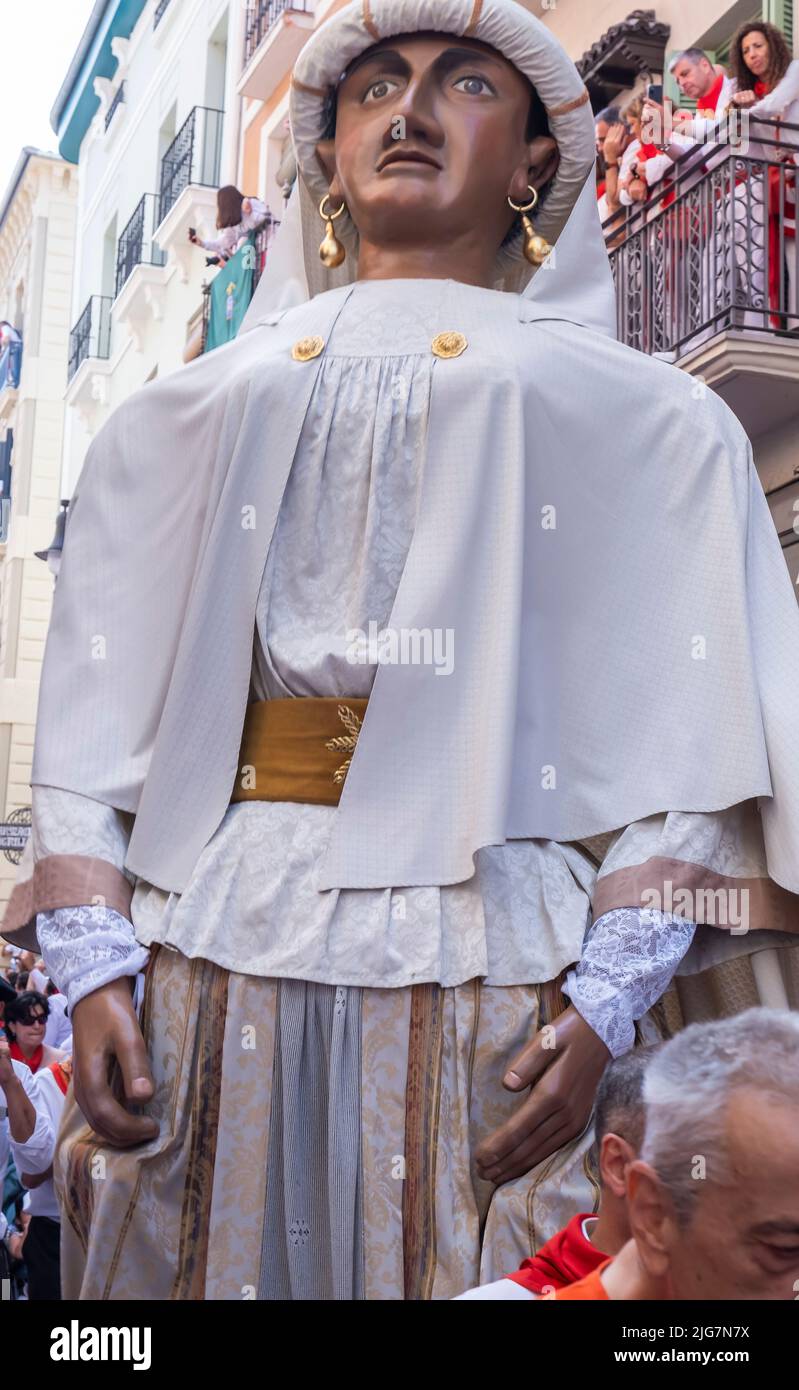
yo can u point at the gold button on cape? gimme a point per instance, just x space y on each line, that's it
449 344
307 348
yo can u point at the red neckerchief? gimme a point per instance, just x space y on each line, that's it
650 152
710 101
564 1259
33 1062
760 89
600 189
62 1071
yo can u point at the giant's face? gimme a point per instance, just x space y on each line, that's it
743 1239
433 131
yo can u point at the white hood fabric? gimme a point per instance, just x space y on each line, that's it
591 527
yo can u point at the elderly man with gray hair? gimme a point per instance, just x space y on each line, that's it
713 1201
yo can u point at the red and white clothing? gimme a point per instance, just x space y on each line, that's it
568 1257
33 1062
652 162
46 1091
781 104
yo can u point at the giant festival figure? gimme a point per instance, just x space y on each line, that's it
416 718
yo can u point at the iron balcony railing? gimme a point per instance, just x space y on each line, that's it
264 236
119 97
11 364
713 247
136 246
193 157
160 10
91 336
263 16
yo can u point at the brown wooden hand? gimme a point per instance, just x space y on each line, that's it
563 1065
105 1029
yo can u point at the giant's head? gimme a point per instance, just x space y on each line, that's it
424 116
713 1201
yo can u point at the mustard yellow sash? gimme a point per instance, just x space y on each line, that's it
297 749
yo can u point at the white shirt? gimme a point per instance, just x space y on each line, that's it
783 102
36 1154
58 1032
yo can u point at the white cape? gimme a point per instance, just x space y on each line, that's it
642 655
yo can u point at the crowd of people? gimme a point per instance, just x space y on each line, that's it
35 1070
646 148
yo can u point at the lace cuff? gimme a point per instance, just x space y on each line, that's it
86 947
629 957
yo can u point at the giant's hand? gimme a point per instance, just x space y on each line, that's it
564 1078
105 1029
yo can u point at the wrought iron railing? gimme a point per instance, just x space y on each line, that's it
119 97
262 16
136 246
160 10
91 336
713 247
193 157
10 364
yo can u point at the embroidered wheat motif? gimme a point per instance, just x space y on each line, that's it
345 743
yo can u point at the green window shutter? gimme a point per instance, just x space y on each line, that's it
780 12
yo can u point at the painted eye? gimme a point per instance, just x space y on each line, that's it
379 89
473 85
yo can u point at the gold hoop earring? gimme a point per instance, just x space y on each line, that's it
331 251
536 249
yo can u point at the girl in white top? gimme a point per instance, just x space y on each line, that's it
236 217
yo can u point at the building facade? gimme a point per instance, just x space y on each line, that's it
37 237
149 113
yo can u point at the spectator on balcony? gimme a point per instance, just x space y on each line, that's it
767 85
766 77
643 164
236 217
612 138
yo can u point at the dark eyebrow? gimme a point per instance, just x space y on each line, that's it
389 58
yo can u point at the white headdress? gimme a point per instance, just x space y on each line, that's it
576 284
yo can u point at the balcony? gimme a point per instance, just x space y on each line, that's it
10 368
140 275
189 181
89 351
274 35
707 270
